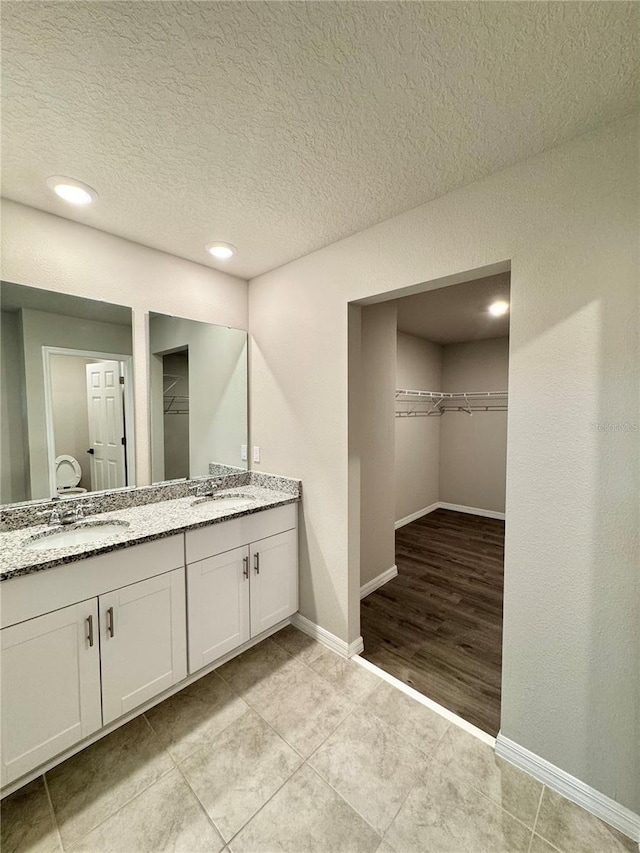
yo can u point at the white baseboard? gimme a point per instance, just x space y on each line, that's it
471 510
573 789
377 582
416 515
347 650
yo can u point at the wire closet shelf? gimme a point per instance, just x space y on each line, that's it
173 404
416 404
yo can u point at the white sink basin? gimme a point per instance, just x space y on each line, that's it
221 502
81 535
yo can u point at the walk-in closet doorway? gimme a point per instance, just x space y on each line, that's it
428 408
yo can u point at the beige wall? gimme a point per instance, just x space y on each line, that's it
56 254
567 222
473 450
378 376
14 458
417 440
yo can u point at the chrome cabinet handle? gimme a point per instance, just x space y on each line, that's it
245 570
256 562
110 627
89 621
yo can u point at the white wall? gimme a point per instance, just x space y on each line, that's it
473 450
417 440
567 222
377 426
56 254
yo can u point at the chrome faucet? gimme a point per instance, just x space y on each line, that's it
69 515
204 490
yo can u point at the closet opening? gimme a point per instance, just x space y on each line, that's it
432 392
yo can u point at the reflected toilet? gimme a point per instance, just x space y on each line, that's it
68 475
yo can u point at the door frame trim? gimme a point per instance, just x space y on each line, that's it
127 369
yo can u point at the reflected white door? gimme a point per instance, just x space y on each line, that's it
106 425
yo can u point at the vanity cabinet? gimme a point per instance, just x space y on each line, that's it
84 644
50 686
142 642
274 580
237 593
80 647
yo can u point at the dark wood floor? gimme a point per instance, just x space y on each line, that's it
438 625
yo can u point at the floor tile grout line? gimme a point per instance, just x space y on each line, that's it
53 811
535 820
428 753
267 723
391 822
535 824
344 799
195 749
266 802
357 704
546 841
135 796
413 784
199 802
305 760
119 809
356 810
255 709
340 724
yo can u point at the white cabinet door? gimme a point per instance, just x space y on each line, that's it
274 580
50 686
218 597
143 642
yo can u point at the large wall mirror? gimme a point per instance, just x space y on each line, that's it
66 388
198 398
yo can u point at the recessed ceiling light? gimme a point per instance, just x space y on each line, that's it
221 251
499 308
68 189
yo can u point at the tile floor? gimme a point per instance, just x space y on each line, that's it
292 748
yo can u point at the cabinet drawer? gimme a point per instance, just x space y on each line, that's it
32 595
218 538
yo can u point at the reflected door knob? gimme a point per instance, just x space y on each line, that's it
91 451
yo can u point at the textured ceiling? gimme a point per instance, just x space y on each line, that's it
282 127
451 315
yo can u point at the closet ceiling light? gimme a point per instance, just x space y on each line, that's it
499 308
75 192
221 251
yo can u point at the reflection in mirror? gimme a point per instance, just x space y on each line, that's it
198 398
66 393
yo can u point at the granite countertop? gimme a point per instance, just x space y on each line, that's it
147 522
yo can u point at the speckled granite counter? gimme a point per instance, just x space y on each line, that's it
150 521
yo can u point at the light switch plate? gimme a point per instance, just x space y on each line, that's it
256 453
243 452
